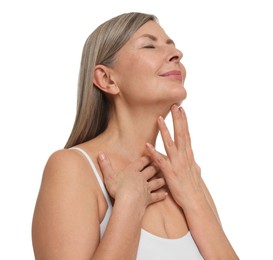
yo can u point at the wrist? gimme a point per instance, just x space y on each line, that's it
194 202
130 205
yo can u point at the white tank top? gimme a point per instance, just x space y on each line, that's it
151 246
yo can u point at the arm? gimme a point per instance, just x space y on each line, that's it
183 177
133 191
66 212
66 222
209 199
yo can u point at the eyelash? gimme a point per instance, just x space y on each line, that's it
149 46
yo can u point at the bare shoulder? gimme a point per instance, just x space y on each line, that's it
66 213
68 165
68 176
64 160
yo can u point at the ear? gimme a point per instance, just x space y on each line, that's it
103 80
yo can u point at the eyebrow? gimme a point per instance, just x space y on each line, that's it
153 38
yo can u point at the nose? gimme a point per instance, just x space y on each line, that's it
175 55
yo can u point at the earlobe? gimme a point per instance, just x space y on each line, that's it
103 81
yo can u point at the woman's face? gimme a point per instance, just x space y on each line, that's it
148 70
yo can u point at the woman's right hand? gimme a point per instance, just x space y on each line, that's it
135 182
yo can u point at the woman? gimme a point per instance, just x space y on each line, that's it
112 195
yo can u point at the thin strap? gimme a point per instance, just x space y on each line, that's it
103 189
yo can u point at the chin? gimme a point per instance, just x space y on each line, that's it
179 96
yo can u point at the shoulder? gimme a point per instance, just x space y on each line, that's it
66 162
68 180
66 211
68 170
63 160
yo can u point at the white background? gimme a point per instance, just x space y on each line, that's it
227 48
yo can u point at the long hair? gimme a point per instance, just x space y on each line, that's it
101 46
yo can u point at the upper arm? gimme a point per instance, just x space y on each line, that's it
65 221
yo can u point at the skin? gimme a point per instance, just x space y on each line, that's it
166 196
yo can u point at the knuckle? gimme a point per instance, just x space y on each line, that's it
157 196
160 182
159 160
169 142
153 169
154 166
144 160
160 196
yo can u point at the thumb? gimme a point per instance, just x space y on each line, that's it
105 165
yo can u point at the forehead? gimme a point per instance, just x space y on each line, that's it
150 28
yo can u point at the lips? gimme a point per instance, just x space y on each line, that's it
175 74
172 72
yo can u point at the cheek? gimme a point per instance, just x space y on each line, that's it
139 90
137 76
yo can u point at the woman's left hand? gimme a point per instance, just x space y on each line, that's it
181 172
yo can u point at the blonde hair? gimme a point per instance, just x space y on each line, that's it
101 46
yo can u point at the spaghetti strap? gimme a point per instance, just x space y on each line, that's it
101 184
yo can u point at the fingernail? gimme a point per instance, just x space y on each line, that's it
149 146
161 120
101 156
175 108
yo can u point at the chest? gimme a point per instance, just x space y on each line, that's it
165 219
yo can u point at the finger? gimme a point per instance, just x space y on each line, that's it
149 172
185 126
159 160
156 184
166 138
188 147
141 163
158 196
179 128
105 165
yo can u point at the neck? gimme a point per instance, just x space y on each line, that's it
127 133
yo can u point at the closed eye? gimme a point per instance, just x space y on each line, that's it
149 46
